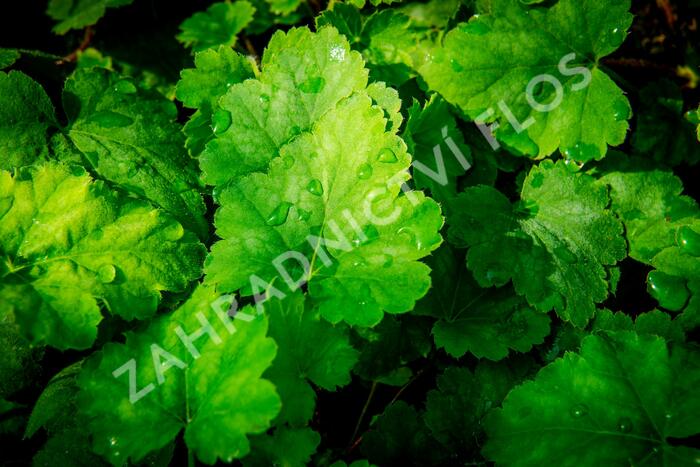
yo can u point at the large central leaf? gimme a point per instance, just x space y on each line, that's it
338 180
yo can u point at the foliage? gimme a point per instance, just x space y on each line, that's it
350 232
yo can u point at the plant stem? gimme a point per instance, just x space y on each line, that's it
362 414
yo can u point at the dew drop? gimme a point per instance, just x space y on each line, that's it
106 273
409 236
109 119
125 87
475 26
621 110
670 291
174 232
624 424
388 260
387 156
364 171
221 121
572 165
279 215
579 410
689 241
112 441
582 152
264 99
303 214
315 187
456 66
371 233
288 161
312 85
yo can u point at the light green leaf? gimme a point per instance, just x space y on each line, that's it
303 76
26 114
331 181
559 236
310 351
68 244
485 322
323 183
499 53
130 137
219 25
218 398
624 393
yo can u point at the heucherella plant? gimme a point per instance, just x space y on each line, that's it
350 233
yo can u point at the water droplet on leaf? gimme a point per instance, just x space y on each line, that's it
337 53
579 410
125 87
106 273
670 291
312 85
621 110
456 65
582 152
387 156
221 121
370 232
174 232
303 214
109 119
278 216
689 241
624 424
315 187
364 171
572 165
288 161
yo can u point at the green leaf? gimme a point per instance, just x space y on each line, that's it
8 57
499 53
68 244
485 322
130 137
289 447
624 393
385 39
662 131
655 323
76 14
26 114
455 410
49 411
218 398
337 183
201 88
303 76
399 437
310 351
436 143
219 25
20 366
283 7
559 236
388 348
662 226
